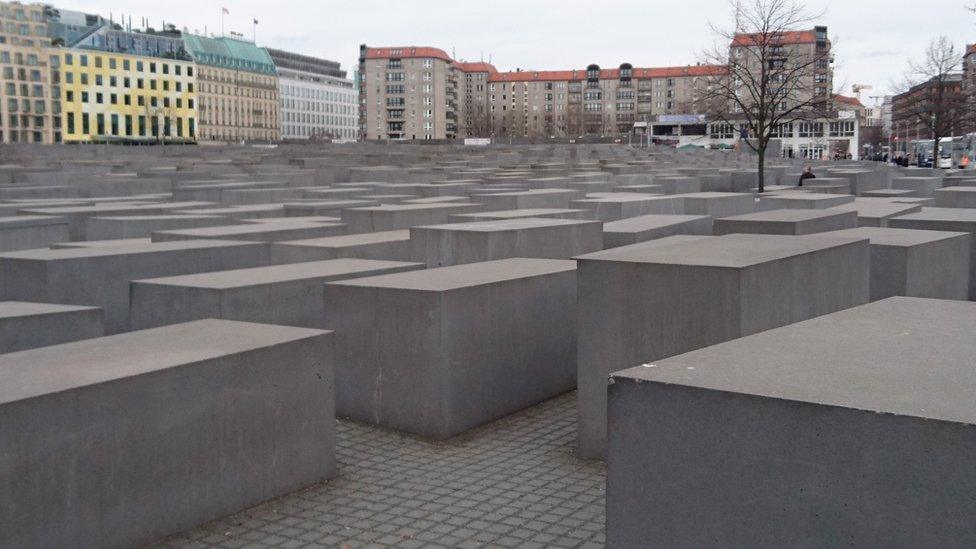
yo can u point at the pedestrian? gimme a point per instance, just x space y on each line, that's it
807 174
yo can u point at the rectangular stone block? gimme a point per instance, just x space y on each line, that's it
944 219
393 217
916 263
679 184
141 226
388 245
802 201
412 346
254 232
459 243
921 186
616 206
718 204
25 232
122 440
873 212
841 430
557 213
536 198
646 302
26 325
290 295
100 276
955 197
787 222
650 227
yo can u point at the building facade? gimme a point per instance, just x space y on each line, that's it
30 89
910 109
317 100
114 97
237 90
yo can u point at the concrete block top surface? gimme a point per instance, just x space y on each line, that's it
122 249
235 210
256 276
58 368
966 215
464 276
896 237
903 356
416 207
15 309
352 239
247 228
512 214
18 221
787 215
508 224
648 222
733 250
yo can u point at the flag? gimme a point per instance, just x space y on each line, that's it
255 21
225 10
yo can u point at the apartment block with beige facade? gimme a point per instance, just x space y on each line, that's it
30 106
421 93
237 90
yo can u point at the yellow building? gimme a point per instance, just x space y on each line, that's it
113 97
29 74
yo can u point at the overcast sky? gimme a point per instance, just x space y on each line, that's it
874 37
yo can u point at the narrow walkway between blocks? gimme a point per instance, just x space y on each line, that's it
514 483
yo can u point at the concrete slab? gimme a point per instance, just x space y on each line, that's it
820 431
642 303
651 227
26 325
944 219
100 276
289 295
25 232
411 345
459 243
254 232
392 217
916 263
205 409
787 222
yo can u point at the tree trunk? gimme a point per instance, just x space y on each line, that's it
761 151
936 157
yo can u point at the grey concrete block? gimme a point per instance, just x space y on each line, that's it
122 440
802 201
412 345
915 263
26 325
536 198
944 219
955 197
388 245
616 206
141 226
392 217
921 186
651 227
718 204
254 232
25 232
459 243
642 303
100 276
787 222
876 213
290 295
854 428
557 213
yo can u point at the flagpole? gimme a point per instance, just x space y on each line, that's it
222 10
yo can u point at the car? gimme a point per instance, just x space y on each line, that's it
945 161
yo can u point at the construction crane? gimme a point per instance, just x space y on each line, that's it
858 88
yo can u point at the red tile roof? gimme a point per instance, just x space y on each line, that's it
407 52
847 100
788 37
608 74
475 66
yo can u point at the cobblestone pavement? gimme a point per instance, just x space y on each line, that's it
514 483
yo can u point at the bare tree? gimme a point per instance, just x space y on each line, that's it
932 95
777 73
